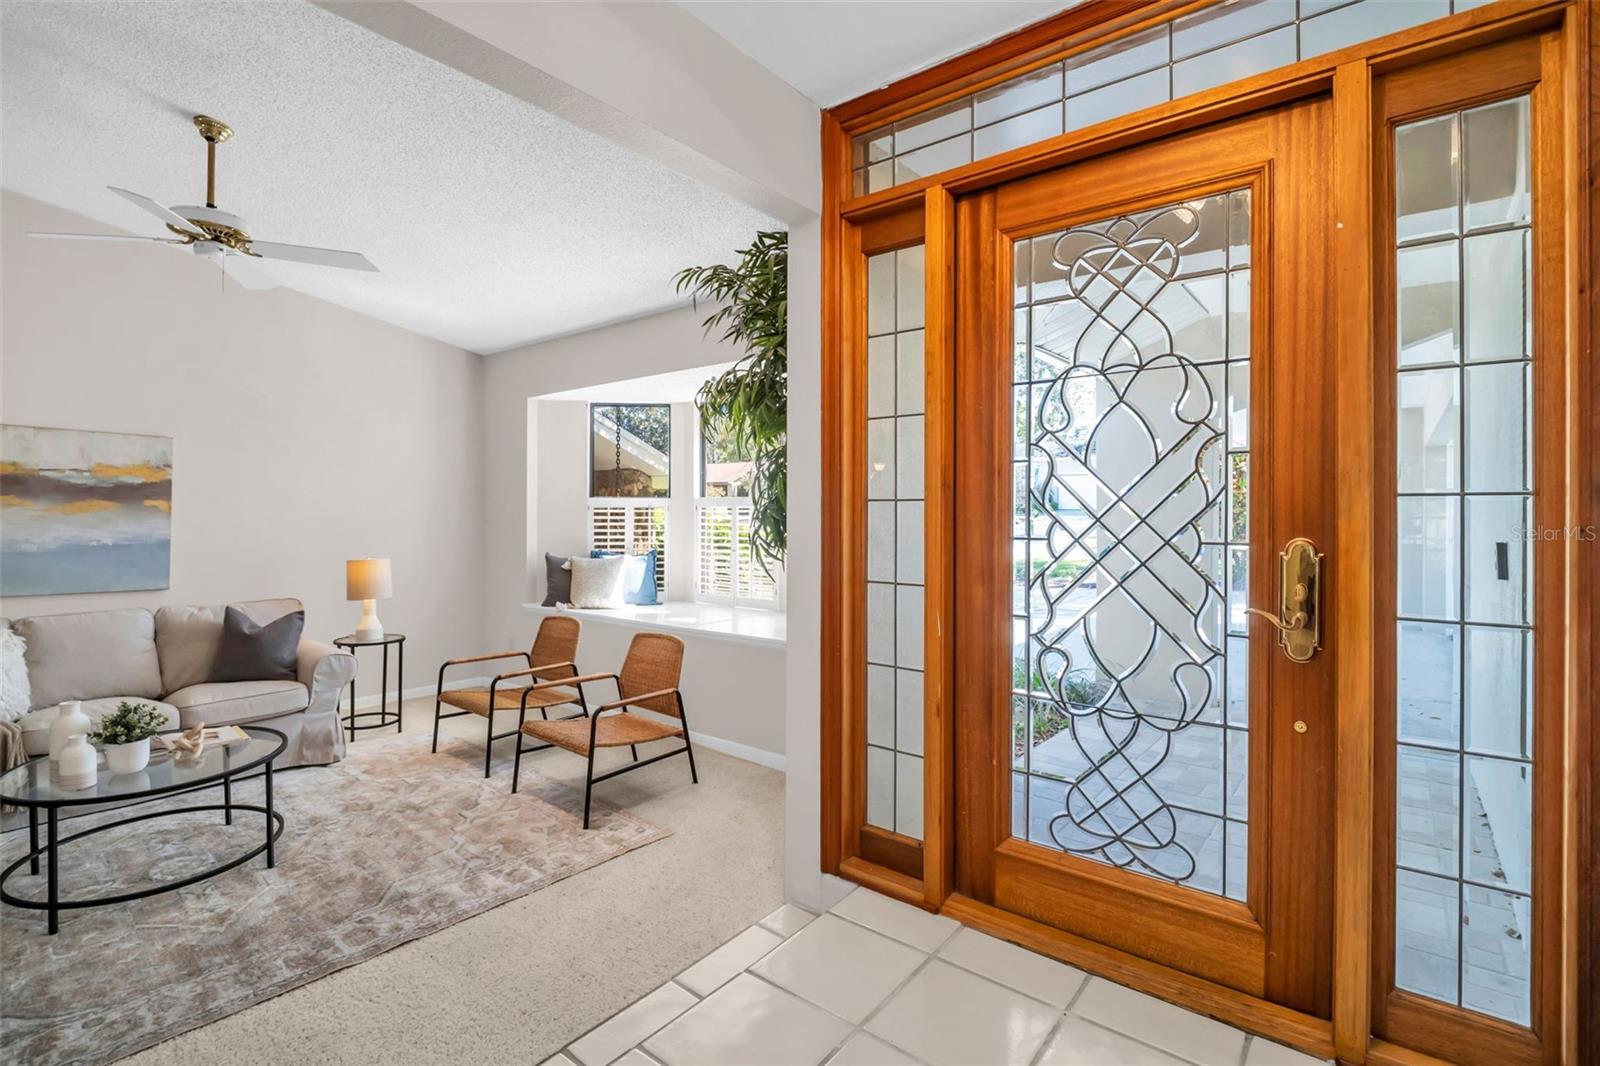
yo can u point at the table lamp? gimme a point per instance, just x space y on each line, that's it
369 581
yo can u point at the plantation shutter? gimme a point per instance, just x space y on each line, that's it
631 529
728 571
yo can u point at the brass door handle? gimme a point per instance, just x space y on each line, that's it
1298 618
1298 622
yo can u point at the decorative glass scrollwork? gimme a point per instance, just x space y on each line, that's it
1131 526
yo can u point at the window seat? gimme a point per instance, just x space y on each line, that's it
713 621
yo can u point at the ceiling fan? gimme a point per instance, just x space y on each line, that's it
217 235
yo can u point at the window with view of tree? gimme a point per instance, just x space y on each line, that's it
727 571
725 470
630 449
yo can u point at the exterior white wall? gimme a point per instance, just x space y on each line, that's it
303 434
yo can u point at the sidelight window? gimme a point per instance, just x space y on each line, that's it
895 433
1465 768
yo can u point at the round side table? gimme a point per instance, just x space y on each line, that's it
383 715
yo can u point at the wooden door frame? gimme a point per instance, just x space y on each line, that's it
923 873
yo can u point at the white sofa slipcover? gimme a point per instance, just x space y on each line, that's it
164 658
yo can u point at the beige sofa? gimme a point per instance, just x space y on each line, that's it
164 658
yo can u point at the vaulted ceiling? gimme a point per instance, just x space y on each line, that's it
493 223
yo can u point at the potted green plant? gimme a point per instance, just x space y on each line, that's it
747 405
125 735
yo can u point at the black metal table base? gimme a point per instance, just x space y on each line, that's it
53 904
385 717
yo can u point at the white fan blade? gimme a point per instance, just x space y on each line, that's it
171 218
304 253
106 237
246 273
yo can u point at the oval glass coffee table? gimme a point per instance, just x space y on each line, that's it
34 786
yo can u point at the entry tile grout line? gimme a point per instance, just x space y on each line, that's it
567 1048
782 939
863 925
1070 1011
1136 1039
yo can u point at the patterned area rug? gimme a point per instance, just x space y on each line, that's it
390 845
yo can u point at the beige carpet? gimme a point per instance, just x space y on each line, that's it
516 983
390 845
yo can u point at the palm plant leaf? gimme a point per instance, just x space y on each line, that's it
750 400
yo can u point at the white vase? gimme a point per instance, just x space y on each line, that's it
75 766
70 720
128 758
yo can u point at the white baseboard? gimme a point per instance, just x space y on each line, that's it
363 702
759 756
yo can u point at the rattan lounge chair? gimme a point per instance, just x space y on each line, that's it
648 681
551 661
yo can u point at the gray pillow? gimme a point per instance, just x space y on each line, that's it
557 581
249 652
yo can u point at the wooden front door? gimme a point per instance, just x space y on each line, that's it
1143 424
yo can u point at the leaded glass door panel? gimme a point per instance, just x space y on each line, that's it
1144 411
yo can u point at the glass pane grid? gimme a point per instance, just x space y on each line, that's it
1223 43
1464 758
894 540
1130 551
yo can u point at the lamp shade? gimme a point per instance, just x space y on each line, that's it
367 579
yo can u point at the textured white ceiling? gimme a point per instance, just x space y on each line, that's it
494 223
832 52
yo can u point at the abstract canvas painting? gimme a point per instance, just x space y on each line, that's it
83 512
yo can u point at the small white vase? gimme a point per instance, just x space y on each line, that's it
70 720
128 758
75 767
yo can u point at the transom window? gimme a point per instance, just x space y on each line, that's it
1228 41
630 450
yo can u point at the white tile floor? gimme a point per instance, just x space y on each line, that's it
875 982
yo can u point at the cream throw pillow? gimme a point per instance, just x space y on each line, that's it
599 582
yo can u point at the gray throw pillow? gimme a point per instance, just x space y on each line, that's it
249 652
557 580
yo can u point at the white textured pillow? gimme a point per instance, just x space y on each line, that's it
15 694
599 582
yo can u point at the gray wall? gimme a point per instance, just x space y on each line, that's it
303 434
514 546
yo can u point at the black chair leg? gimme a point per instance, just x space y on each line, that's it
436 726
694 778
633 750
588 787
516 763
488 741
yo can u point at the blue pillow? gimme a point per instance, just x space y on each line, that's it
640 584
